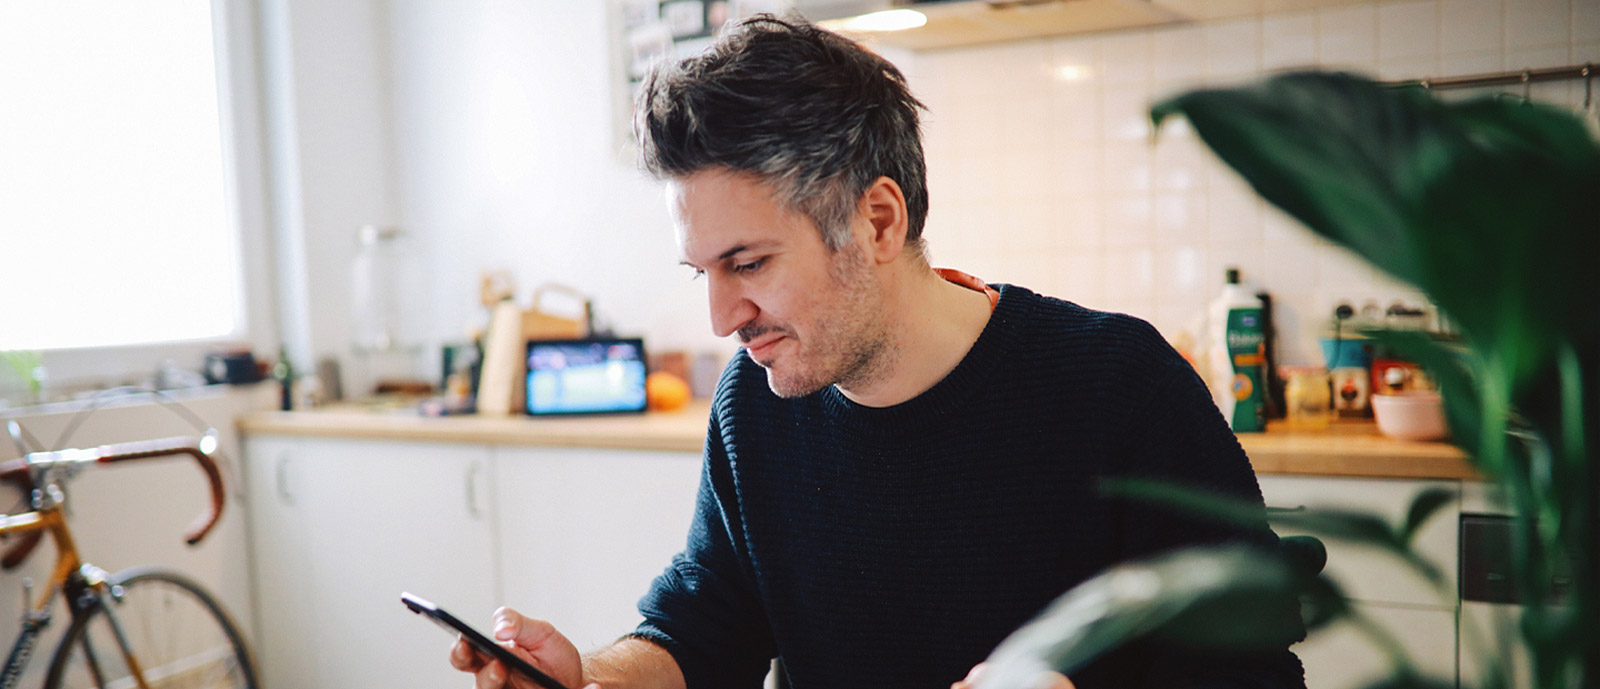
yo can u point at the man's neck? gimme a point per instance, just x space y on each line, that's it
933 324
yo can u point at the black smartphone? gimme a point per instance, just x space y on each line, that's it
478 641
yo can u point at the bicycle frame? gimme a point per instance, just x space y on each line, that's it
64 576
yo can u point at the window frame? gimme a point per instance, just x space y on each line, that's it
237 51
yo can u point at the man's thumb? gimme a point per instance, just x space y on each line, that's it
525 632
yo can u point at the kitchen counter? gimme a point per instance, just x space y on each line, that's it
683 430
1353 448
1346 448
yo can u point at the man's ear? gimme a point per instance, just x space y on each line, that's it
883 206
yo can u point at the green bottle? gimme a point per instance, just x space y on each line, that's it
1238 354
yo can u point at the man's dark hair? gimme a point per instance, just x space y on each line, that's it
810 112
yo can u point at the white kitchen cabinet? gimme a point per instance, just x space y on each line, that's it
340 528
1421 618
1494 635
584 531
1342 657
1366 573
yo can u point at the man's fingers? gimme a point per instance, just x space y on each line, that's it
1048 680
492 676
971 678
1052 680
525 632
464 657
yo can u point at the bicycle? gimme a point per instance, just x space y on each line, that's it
166 629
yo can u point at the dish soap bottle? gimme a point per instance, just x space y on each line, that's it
1237 352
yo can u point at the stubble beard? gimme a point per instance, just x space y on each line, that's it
850 343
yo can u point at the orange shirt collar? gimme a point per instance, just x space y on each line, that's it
970 282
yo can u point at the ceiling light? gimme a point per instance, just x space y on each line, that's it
1072 72
886 20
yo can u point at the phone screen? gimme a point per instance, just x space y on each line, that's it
479 641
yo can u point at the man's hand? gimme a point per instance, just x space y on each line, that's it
534 641
1048 680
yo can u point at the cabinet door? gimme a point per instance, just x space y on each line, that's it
281 565
1403 604
1491 630
583 532
1341 657
342 528
1366 573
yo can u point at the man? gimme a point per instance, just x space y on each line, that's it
902 464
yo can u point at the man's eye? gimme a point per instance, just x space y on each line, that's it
750 267
697 274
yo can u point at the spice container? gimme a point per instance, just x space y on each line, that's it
1307 397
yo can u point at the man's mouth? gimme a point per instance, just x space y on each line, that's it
762 346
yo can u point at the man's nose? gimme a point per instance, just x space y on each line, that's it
730 309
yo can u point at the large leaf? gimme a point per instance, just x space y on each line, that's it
1424 506
1228 597
1346 525
1352 526
1490 207
1411 680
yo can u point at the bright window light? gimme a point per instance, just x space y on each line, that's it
114 222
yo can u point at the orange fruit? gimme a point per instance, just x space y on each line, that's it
665 391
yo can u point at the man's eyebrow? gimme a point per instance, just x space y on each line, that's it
730 253
733 252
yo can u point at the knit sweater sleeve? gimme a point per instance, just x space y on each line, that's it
1174 433
704 609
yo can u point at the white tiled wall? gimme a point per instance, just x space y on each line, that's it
1042 170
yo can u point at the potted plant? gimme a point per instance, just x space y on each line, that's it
1492 208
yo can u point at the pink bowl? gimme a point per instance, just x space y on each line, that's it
1411 415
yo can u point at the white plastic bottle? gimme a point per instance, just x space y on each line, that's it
1236 349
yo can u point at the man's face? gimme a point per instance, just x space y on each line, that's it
811 317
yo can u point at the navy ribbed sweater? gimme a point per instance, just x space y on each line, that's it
895 547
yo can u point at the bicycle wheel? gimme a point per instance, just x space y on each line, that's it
176 632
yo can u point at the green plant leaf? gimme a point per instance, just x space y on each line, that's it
1411 680
1187 499
1425 505
1347 525
1227 597
1322 602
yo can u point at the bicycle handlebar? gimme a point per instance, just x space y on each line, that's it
199 448
17 472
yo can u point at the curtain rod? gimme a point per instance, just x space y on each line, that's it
1526 76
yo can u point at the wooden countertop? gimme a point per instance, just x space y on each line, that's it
1346 448
1353 448
683 430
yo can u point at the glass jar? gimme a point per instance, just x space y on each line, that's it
1307 398
386 294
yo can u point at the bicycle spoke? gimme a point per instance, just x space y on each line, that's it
91 660
173 630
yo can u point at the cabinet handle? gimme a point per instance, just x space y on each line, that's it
472 490
1285 510
284 495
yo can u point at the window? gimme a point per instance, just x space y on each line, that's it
116 226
